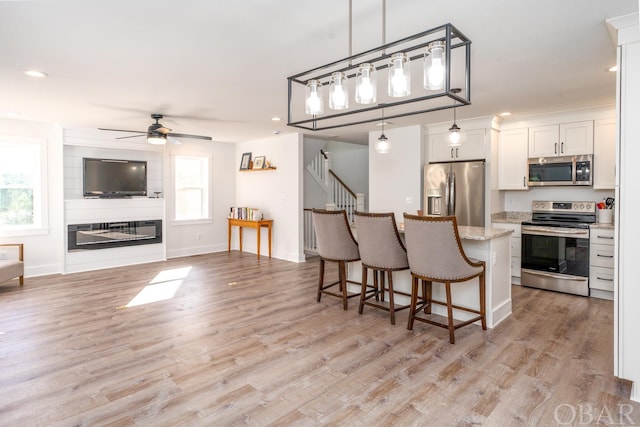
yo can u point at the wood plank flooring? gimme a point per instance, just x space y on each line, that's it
243 342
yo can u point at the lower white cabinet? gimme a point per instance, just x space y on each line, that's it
601 245
516 248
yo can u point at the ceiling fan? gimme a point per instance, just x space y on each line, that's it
158 134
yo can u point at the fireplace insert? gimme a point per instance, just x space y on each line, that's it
102 235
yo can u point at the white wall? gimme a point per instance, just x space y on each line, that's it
627 298
397 175
43 252
277 193
351 163
190 238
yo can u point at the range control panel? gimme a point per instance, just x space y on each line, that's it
565 207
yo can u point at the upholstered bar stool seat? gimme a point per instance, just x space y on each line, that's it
335 243
435 254
382 251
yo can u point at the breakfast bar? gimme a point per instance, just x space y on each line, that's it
490 245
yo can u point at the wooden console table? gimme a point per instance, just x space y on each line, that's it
267 223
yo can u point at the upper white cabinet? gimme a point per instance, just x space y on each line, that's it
513 152
604 154
565 139
472 147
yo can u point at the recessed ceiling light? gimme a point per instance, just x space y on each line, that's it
35 73
505 114
276 132
614 68
276 118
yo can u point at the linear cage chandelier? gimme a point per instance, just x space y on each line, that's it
413 75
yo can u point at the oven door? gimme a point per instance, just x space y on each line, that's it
556 258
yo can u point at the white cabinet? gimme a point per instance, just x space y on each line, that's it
472 147
604 154
516 247
601 263
513 172
566 139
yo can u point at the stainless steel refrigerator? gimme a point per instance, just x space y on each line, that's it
455 188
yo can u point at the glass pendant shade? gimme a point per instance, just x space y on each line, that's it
454 136
366 83
338 91
382 145
157 139
399 76
313 103
434 66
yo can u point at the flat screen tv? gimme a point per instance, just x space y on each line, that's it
114 178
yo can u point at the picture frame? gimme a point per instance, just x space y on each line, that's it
258 162
245 163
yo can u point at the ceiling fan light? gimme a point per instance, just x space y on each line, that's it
434 66
313 97
366 83
157 139
338 91
399 83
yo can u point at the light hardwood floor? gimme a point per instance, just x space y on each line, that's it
244 342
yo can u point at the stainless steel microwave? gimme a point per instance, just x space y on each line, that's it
563 170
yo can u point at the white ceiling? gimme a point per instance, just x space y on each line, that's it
219 67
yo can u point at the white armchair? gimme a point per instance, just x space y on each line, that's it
13 267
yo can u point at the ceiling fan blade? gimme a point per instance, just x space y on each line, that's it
184 135
173 140
124 130
130 136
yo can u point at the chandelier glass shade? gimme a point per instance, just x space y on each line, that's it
157 138
366 84
338 91
440 56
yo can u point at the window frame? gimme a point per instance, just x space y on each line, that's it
203 157
40 192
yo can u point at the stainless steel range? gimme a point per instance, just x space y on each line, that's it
555 246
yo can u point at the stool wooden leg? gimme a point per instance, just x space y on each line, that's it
427 289
392 310
321 279
382 285
452 339
414 301
343 283
363 292
483 319
376 290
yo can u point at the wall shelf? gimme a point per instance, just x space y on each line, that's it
270 168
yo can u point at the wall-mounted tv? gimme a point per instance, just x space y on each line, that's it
114 178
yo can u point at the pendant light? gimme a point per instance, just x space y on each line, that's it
382 145
338 91
399 75
366 82
454 130
434 66
313 104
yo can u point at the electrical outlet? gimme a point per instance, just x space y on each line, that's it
3 254
198 236
408 201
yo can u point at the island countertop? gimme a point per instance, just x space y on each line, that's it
476 233
481 233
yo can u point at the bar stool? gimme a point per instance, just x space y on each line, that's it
382 251
436 255
335 243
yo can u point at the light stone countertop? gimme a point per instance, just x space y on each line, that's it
602 226
481 233
510 217
472 233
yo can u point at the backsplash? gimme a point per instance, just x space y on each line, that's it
520 201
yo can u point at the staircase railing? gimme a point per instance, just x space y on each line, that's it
339 196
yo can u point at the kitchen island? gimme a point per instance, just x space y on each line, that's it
490 245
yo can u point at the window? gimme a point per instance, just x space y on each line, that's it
23 207
191 177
